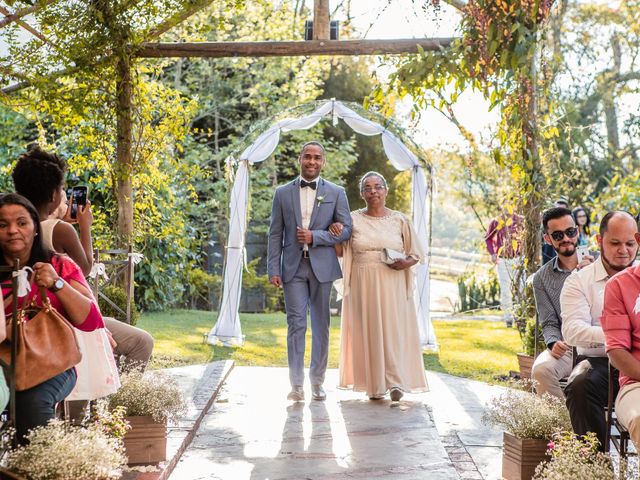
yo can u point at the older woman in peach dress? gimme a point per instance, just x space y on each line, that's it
380 344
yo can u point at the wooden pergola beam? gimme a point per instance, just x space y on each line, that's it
18 14
291 49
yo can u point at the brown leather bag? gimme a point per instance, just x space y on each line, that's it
47 345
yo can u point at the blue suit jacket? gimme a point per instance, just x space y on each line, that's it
285 252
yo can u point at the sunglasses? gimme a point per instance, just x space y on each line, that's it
559 234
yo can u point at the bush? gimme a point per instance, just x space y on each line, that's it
200 286
252 281
526 415
118 296
529 338
475 293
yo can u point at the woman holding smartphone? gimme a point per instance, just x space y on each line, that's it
581 217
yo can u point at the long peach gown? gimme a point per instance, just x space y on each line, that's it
380 343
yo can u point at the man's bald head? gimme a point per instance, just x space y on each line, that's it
618 241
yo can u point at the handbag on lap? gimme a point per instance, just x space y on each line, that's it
46 344
390 256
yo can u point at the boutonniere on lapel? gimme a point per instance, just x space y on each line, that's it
319 199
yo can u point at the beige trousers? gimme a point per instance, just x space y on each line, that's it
628 411
134 344
547 371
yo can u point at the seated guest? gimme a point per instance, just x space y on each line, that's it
621 325
67 290
548 253
4 389
555 362
39 176
581 306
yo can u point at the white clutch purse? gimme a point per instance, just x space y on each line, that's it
388 255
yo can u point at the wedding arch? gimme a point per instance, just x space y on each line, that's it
227 329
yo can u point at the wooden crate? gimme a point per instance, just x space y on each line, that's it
146 442
521 456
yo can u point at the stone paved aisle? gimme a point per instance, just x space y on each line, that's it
253 432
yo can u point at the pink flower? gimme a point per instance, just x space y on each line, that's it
551 445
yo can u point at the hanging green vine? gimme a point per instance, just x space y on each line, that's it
495 54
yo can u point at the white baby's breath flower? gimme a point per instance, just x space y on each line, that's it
526 415
149 393
63 452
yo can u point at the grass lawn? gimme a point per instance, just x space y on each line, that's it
476 349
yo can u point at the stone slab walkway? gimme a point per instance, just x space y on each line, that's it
252 432
200 385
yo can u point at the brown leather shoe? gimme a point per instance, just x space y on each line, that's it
296 394
318 393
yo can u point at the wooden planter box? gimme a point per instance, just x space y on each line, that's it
521 456
146 442
526 363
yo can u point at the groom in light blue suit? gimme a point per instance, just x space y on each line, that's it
302 260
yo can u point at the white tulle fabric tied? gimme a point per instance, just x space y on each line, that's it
98 269
24 286
136 258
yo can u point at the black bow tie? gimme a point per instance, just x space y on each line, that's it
311 185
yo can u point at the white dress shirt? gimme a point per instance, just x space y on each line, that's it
581 304
307 197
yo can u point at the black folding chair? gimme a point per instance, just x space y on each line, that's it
8 417
616 433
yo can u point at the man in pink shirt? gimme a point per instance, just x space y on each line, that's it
621 325
504 245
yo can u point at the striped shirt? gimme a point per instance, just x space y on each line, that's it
547 285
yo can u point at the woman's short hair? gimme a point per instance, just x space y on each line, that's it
38 252
372 174
38 174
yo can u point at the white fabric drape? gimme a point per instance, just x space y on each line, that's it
227 328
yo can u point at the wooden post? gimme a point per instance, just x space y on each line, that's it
321 20
534 199
124 161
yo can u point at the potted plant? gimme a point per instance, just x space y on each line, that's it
151 400
529 422
526 359
66 452
577 458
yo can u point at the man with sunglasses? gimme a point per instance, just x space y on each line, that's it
504 244
554 364
581 303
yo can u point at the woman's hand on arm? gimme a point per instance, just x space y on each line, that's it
74 297
335 229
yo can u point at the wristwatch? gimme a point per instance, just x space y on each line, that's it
57 285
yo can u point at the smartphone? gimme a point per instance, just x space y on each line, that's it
78 197
581 252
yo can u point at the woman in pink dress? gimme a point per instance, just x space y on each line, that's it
66 289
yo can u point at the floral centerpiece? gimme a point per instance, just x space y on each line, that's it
64 452
151 400
579 458
149 394
529 421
